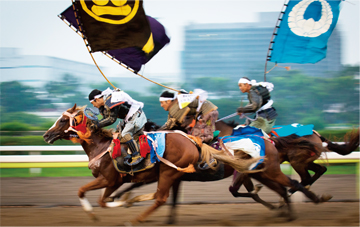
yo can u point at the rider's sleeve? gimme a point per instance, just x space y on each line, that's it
110 116
255 101
169 124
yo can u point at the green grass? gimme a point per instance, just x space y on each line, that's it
84 171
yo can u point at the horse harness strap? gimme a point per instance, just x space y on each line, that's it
71 119
271 141
95 162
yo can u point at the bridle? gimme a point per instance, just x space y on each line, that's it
72 119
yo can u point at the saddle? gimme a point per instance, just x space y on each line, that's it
137 164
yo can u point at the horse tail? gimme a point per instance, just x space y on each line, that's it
239 164
294 142
351 140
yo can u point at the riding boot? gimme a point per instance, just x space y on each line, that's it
135 157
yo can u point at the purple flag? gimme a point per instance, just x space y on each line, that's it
133 57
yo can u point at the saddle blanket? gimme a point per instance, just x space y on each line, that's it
249 140
286 130
156 141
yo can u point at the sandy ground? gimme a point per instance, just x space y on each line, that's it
54 202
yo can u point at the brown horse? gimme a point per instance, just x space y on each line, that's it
179 150
302 160
272 177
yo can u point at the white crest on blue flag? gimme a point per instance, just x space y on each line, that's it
309 28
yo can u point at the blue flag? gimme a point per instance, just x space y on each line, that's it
304 31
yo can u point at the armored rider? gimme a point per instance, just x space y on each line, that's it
114 104
260 103
198 117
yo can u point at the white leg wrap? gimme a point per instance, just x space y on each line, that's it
85 204
115 204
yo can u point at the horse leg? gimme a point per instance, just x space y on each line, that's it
238 179
284 180
99 182
307 180
119 194
108 191
172 215
303 173
281 190
243 178
166 180
319 170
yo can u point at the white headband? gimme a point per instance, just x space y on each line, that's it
244 81
107 92
165 99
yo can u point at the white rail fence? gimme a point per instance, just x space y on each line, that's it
36 159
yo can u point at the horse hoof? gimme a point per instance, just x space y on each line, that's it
325 198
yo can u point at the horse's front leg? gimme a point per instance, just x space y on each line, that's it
108 191
99 182
243 178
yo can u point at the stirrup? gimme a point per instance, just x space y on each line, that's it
205 166
134 159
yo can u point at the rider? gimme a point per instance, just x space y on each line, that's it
198 117
259 103
114 104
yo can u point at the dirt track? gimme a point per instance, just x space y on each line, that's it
54 202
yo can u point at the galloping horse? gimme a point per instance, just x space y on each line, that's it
179 150
271 176
302 160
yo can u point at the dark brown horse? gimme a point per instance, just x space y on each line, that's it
300 158
179 150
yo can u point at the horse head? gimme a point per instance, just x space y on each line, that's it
65 126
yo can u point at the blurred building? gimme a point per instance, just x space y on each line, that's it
240 49
36 70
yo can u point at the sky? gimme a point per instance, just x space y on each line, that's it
34 28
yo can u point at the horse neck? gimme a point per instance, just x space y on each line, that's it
96 147
225 130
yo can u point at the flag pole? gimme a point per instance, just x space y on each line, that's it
277 25
106 54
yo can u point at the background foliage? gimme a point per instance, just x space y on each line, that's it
298 98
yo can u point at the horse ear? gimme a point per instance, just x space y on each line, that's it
73 109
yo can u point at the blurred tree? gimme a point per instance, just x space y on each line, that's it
66 90
17 97
216 85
